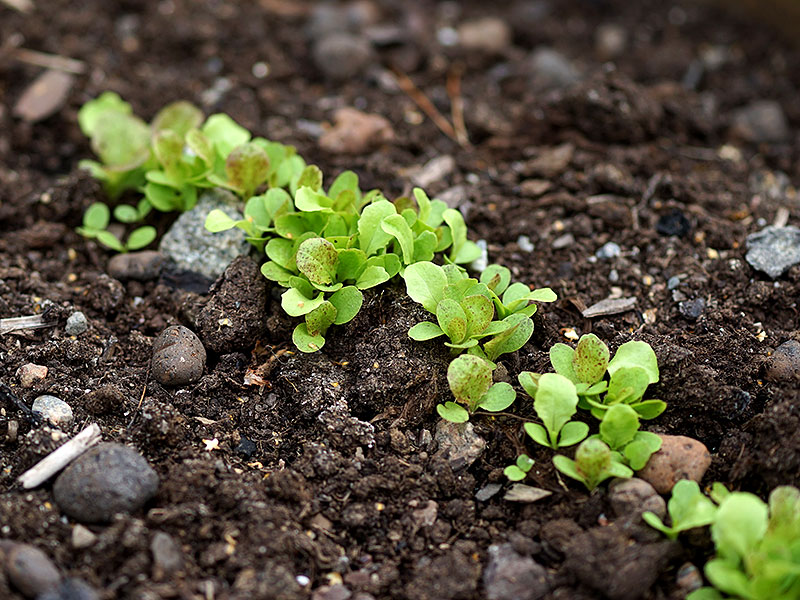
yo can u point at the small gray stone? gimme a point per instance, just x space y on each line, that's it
608 250
167 555
761 121
82 537
673 282
784 364
342 55
563 241
139 266
692 309
487 34
31 570
192 248
610 40
458 444
488 491
105 480
610 306
511 576
30 373
774 249
53 410
77 323
552 70
634 496
331 592
71 589
178 356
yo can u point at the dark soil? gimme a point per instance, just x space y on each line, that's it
326 466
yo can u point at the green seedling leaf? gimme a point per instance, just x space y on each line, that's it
635 354
479 313
688 508
162 197
296 304
397 227
590 359
275 272
371 236
310 177
512 339
96 217
452 320
217 221
201 146
470 378
317 259
425 246
619 426
424 331
347 181
499 397
282 252
561 357
639 451
425 283
352 263
125 213
518 471
168 148
121 141
141 237
109 240
105 103
555 402
347 302
784 510
496 278
450 411
739 525
372 276
180 117
649 409
225 133
572 433
627 384
529 382
537 433
304 341
319 319
246 168
458 230
593 464
309 200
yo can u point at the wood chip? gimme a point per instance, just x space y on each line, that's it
60 457
45 96
28 322
519 492
610 306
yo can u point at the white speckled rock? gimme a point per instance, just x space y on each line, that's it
53 410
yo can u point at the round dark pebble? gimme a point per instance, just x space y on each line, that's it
692 309
178 356
139 266
31 570
104 400
673 223
71 589
342 55
246 448
105 480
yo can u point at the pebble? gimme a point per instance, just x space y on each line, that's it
138 266
45 96
104 400
761 121
53 410
692 309
634 496
610 40
71 589
552 70
77 323
525 244
519 492
107 479
82 537
178 356
673 223
167 555
533 188
673 282
342 55
784 364
488 34
246 448
773 250
563 241
30 373
680 457
433 171
190 247
30 570
425 516
608 250
550 162
512 576
488 491
458 443
688 579
332 592
355 132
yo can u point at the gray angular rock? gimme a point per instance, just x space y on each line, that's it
191 247
458 444
773 250
342 55
692 309
761 121
551 69
511 576
178 356
139 266
77 323
30 570
53 410
107 479
167 555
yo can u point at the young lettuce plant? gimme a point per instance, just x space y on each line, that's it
555 402
620 430
519 470
95 225
688 508
470 380
594 463
512 298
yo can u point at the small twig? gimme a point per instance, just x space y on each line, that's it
27 322
781 217
9 396
421 100
457 104
23 6
49 61
60 457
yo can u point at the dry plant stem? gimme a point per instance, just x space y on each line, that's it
28 322
50 61
457 104
425 105
60 457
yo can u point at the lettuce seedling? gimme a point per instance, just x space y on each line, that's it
620 430
555 402
594 463
519 470
470 380
512 298
95 225
688 508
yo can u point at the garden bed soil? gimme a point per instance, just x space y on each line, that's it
327 465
